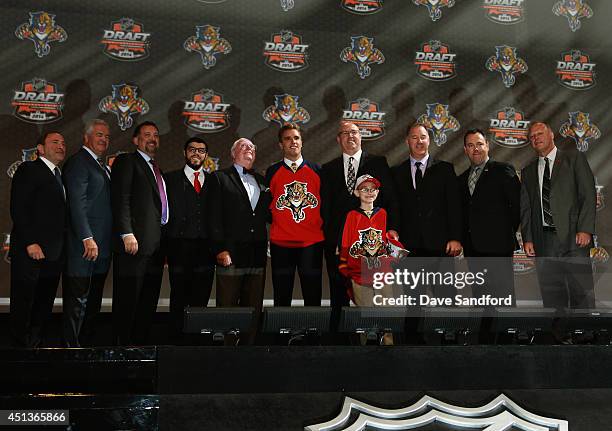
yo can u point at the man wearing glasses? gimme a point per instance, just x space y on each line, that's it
338 179
191 265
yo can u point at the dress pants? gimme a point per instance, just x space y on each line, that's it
566 278
191 270
82 300
338 285
309 264
242 287
33 288
136 285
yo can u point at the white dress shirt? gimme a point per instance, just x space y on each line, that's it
413 168
541 165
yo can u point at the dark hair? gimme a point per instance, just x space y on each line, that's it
141 125
536 122
414 125
42 138
195 139
473 132
288 126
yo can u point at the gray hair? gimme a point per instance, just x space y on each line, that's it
90 124
238 142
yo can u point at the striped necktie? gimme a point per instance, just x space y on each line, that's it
548 218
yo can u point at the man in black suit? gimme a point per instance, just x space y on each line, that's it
490 192
338 179
88 245
38 212
558 220
238 221
430 209
191 265
140 210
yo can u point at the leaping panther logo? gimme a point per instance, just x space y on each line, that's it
362 53
580 129
574 11
371 247
41 30
435 7
208 43
296 199
438 121
286 110
124 103
287 5
507 63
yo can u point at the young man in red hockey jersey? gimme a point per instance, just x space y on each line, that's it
296 232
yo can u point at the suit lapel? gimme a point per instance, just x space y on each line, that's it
557 166
483 176
235 177
147 170
93 164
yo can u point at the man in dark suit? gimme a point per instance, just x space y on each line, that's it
191 265
140 210
238 220
338 179
430 209
428 192
490 193
558 220
88 245
38 212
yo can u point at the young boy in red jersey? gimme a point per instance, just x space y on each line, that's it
365 247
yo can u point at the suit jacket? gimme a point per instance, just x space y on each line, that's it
189 211
38 211
136 204
431 216
572 201
492 214
235 226
88 194
336 201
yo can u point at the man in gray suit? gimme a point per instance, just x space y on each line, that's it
558 220
88 249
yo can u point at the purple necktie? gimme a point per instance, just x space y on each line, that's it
162 192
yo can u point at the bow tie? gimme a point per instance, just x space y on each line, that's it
246 171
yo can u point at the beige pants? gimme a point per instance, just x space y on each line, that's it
363 296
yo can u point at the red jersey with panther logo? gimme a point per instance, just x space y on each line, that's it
296 205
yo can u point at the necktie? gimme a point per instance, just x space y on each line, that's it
472 180
351 178
418 175
58 178
196 182
548 218
294 167
103 165
162 192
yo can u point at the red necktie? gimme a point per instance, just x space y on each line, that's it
196 182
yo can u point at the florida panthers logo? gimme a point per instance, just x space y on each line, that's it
286 110
41 30
208 43
435 7
574 11
370 246
124 103
506 62
438 121
580 129
296 199
287 5
363 54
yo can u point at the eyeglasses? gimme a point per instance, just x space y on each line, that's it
367 190
248 147
349 132
194 150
